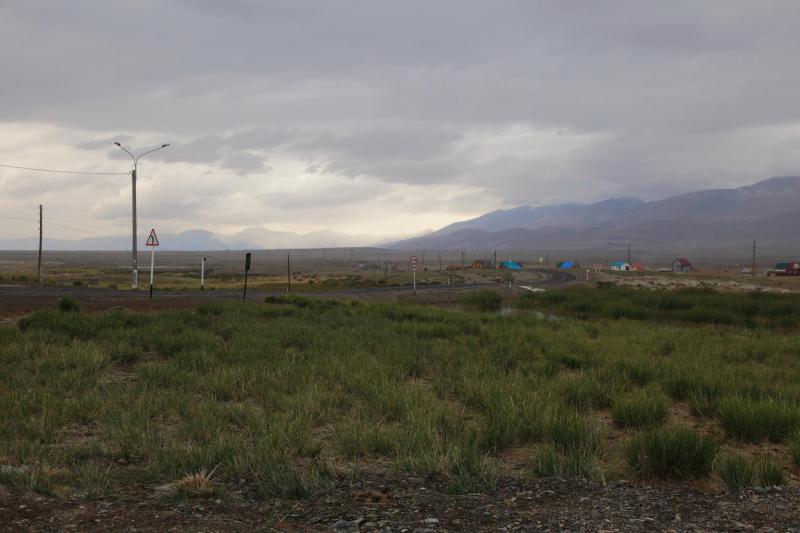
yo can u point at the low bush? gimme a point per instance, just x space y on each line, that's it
573 444
68 305
794 447
754 420
484 301
668 453
736 471
644 409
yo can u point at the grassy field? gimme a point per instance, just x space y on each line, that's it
285 397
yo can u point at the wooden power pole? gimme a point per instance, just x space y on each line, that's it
39 264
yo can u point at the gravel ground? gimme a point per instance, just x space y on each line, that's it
412 506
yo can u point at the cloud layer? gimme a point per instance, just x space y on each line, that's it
388 117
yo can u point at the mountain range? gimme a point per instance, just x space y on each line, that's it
768 210
201 240
717 218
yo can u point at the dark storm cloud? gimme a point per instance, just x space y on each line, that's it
666 96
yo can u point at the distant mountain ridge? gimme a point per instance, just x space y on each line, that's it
565 215
201 240
767 210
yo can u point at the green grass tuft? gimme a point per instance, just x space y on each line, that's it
736 471
770 472
643 409
68 305
667 453
754 420
483 300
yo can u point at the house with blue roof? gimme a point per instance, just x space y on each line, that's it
510 265
621 266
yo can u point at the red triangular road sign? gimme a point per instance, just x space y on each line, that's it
152 240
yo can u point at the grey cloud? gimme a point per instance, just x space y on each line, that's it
390 90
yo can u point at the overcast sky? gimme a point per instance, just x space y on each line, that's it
385 117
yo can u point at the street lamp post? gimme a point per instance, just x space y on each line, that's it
134 254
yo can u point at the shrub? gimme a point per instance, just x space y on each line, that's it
671 454
68 305
573 444
645 409
579 463
754 420
770 472
736 471
485 301
794 447
585 392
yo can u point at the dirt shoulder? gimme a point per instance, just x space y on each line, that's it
411 505
688 281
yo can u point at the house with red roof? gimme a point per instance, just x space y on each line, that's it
681 264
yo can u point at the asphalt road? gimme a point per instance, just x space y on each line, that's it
539 278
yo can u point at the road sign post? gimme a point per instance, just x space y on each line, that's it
413 262
247 259
152 242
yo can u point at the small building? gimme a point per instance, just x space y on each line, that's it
681 264
510 265
568 265
793 268
481 263
621 266
638 267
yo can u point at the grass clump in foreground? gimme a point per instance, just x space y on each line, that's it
292 395
754 420
740 472
643 409
736 471
794 448
482 300
572 447
668 453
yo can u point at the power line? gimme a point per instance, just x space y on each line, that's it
17 218
66 171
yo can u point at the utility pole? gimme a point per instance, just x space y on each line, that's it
288 273
247 259
134 254
462 257
629 254
753 264
39 263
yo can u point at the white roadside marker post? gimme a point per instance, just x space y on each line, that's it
203 274
413 261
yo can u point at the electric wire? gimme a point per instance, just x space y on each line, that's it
65 171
